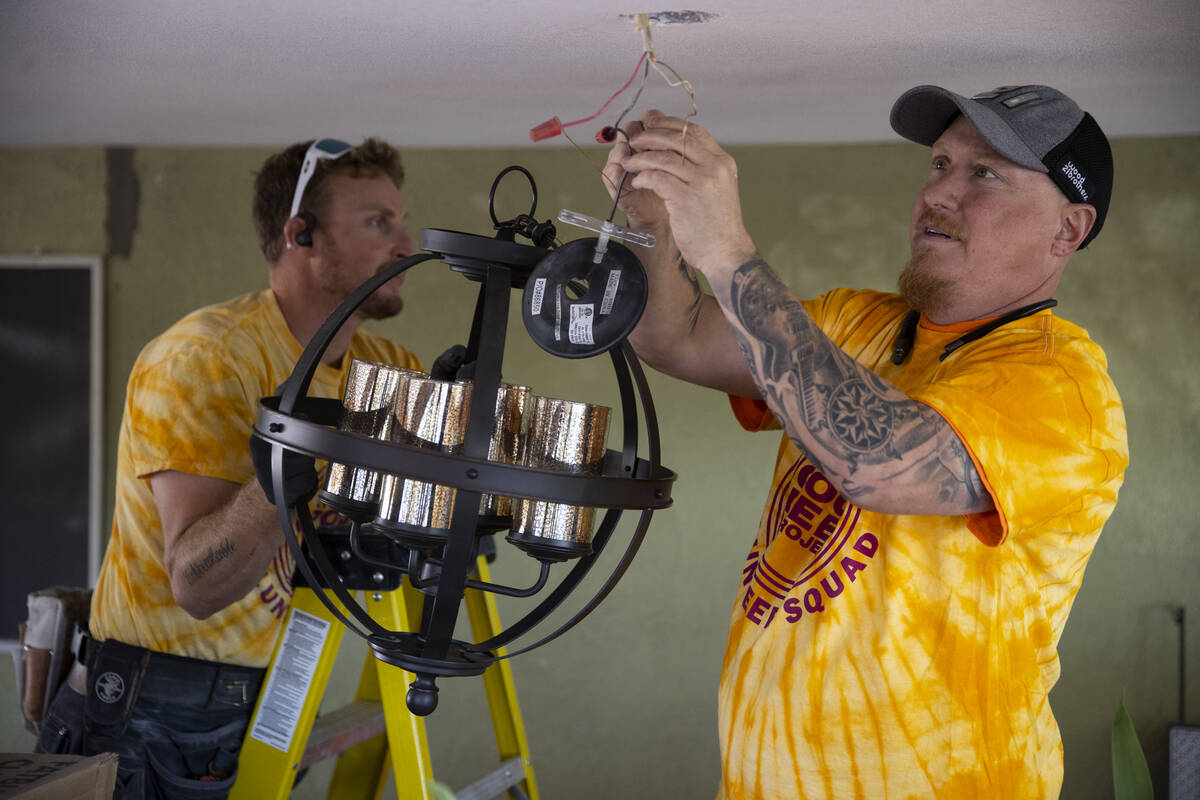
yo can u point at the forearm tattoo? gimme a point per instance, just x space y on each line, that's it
693 310
839 412
197 569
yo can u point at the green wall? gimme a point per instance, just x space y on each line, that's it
625 704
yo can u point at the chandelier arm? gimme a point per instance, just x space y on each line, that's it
635 542
512 591
555 598
357 550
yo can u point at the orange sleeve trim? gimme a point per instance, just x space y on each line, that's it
753 415
988 527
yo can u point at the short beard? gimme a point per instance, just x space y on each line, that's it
924 292
381 306
376 305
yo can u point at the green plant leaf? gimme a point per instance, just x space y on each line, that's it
1131 775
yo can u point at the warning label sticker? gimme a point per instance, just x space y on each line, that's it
610 291
580 331
289 681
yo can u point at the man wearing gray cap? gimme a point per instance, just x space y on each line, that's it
950 453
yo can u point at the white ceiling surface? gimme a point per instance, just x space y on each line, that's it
481 74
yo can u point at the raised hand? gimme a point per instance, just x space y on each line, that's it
696 181
644 209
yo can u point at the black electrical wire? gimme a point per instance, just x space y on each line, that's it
636 96
620 184
617 196
617 128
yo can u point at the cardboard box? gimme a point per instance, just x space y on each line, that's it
33 776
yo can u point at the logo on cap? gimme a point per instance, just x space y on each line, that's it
1076 178
994 93
1021 99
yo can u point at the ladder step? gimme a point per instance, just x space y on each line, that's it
338 731
503 778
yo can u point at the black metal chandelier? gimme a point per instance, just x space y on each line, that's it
441 567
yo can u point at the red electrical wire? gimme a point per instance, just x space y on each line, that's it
614 97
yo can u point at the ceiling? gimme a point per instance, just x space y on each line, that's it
481 74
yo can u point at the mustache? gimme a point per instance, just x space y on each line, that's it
932 219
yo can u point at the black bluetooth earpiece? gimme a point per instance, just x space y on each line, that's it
304 235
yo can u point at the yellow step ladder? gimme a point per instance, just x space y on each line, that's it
376 731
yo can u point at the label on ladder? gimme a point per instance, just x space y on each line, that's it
291 675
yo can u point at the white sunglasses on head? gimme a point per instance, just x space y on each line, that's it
321 148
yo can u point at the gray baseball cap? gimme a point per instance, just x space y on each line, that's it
1035 126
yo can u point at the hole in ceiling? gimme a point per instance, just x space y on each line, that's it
677 17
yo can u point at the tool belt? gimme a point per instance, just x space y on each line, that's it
49 638
118 675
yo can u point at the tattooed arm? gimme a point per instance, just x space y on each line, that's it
884 451
218 538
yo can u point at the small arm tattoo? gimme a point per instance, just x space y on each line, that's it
197 569
830 403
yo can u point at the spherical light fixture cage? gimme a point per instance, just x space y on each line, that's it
628 482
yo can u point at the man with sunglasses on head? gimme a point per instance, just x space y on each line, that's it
950 454
196 580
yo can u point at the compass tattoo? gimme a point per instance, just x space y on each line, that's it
845 417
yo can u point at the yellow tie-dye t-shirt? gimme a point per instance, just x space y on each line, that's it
190 405
895 657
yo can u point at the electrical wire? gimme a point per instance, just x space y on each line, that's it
617 188
642 25
619 130
645 72
590 160
658 65
644 63
617 196
614 96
